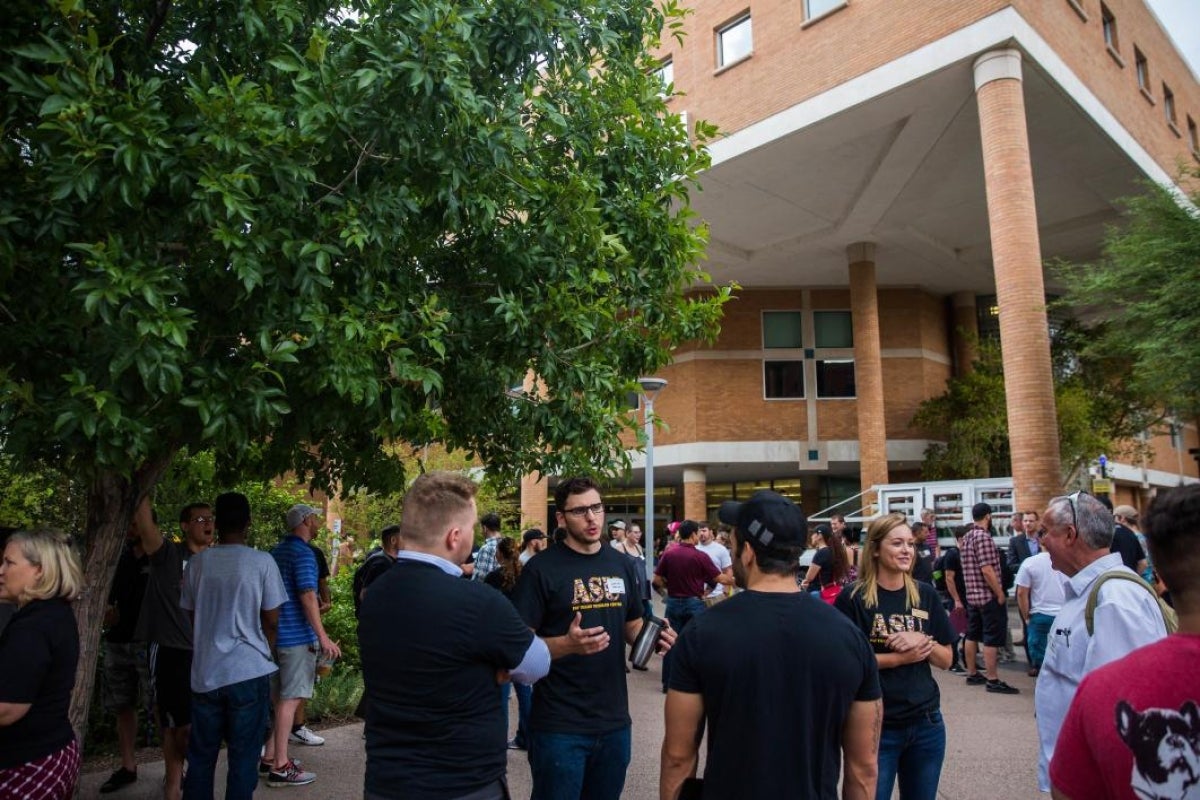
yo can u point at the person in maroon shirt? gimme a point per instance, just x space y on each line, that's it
687 575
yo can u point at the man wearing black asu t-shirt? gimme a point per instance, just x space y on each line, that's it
786 685
582 597
433 650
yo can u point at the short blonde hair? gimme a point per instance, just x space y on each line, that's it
433 500
62 576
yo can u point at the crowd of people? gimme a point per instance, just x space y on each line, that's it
800 679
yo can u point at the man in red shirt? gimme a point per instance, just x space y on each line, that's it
687 574
1133 729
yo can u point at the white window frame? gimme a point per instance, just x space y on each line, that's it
729 27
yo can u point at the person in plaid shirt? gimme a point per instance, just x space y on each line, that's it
485 559
987 609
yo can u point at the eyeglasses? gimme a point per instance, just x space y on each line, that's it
1071 500
203 520
579 512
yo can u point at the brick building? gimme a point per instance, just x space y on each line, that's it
890 175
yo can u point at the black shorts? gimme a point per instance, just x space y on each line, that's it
171 676
986 623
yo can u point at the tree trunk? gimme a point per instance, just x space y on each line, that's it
111 501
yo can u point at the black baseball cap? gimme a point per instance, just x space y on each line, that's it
768 519
531 534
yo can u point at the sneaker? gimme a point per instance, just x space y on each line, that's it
958 669
303 735
976 680
290 775
265 766
1000 687
516 744
118 780
1032 672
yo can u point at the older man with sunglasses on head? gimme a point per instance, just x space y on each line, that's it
1077 533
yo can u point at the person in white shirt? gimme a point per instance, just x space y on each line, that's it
532 543
1077 533
616 535
719 554
1039 599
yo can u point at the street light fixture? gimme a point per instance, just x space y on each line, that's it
650 389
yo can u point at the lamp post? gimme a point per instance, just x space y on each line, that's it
650 389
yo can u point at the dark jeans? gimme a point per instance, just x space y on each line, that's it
680 611
236 714
568 766
524 701
913 754
1037 635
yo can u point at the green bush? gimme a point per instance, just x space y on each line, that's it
340 622
336 696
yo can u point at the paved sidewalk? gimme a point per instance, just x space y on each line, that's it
988 736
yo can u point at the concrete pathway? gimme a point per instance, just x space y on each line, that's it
991 753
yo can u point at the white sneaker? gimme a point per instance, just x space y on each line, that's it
303 735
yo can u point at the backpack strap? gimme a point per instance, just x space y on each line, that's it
1170 620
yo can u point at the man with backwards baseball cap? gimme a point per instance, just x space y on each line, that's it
776 661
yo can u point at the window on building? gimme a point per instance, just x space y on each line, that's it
835 378
1169 105
783 379
833 329
815 8
782 329
734 41
666 73
1193 136
1108 24
1142 69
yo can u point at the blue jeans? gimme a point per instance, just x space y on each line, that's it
524 701
238 714
1037 636
568 766
913 753
680 611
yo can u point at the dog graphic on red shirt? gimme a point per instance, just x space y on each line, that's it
1166 750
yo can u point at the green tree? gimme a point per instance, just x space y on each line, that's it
1097 413
1142 292
290 231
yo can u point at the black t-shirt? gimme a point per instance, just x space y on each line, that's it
778 673
922 569
583 695
823 558
1126 543
908 690
953 563
39 651
322 562
431 646
128 589
376 564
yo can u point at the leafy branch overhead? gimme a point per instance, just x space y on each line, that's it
319 227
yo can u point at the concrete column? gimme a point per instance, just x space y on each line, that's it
534 497
964 334
695 485
868 369
1020 289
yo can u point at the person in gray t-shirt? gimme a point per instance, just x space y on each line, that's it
233 593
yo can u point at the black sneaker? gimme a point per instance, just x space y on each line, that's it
1000 687
118 780
957 669
976 679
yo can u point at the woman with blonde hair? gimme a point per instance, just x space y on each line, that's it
39 650
908 629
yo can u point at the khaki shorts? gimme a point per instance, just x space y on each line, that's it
297 672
